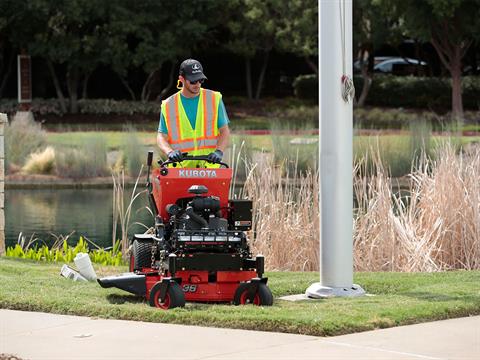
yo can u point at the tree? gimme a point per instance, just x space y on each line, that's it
298 30
168 31
372 27
450 25
15 35
71 40
254 27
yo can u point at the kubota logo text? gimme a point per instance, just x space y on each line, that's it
197 173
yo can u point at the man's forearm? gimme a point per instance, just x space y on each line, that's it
163 144
223 138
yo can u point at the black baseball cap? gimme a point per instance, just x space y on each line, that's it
192 70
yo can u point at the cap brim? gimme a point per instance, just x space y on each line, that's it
196 77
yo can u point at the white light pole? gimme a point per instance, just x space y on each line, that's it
336 135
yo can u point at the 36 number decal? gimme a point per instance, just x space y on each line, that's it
189 288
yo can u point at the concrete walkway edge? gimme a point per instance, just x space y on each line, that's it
41 336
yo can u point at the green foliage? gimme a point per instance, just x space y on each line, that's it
66 253
298 30
22 137
419 92
86 106
306 87
122 107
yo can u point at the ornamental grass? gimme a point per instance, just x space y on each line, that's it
432 225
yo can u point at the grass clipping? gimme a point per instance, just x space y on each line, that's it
432 226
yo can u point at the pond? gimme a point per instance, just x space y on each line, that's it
88 212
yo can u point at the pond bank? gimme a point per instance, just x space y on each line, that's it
55 182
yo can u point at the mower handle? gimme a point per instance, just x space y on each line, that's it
191 157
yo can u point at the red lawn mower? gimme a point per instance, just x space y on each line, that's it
199 250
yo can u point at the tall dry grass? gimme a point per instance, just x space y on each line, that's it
285 217
436 227
433 225
122 211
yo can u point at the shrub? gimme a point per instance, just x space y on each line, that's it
419 92
86 106
306 87
62 252
123 107
22 137
42 162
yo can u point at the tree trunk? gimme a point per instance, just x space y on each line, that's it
262 75
367 74
311 64
457 103
8 71
127 86
367 83
248 78
85 85
171 80
146 86
72 82
58 88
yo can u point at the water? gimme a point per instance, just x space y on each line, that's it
60 211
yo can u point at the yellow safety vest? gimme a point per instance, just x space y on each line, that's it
199 141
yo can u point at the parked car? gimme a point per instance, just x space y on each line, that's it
393 65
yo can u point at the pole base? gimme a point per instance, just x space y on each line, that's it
319 291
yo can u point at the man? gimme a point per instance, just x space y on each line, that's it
193 120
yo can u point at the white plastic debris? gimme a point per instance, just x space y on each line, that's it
84 266
70 273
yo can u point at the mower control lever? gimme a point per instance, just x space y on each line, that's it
191 157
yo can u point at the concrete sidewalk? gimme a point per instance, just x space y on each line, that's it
33 336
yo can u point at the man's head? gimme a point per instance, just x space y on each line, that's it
192 76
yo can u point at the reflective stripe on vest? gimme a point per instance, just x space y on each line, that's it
180 132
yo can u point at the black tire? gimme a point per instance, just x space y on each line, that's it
141 256
174 297
263 297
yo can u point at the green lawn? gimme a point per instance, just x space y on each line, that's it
397 299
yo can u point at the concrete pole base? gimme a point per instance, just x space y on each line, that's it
319 291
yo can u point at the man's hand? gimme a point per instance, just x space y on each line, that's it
175 155
215 156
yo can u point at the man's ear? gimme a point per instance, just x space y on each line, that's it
180 82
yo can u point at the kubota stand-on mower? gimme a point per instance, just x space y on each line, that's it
199 250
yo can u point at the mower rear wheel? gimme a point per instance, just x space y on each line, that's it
173 298
263 297
141 256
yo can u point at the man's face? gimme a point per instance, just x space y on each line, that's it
192 88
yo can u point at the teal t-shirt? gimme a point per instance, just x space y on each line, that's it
191 105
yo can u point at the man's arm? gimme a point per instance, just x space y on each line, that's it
162 142
223 138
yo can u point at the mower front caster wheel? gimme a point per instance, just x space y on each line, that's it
174 296
263 296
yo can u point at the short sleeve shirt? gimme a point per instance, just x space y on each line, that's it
191 105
